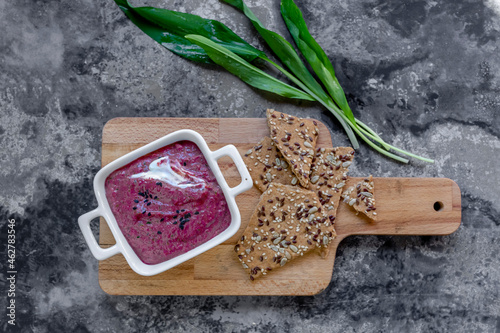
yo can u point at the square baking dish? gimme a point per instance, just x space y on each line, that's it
122 246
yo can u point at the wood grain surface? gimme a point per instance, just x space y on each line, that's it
405 206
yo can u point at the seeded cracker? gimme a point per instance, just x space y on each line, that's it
328 178
362 197
329 175
287 223
266 164
296 139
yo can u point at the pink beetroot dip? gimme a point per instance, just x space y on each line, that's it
167 202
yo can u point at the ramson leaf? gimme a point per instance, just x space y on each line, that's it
245 71
314 54
169 27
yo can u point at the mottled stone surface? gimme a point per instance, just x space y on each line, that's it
425 74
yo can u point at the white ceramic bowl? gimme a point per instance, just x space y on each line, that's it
122 246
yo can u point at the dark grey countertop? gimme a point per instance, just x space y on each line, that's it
425 74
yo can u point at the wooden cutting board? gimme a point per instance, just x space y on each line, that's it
405 206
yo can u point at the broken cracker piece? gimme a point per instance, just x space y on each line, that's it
266 164
287 223
296 139
362 197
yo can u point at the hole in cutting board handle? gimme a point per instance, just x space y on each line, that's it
438 206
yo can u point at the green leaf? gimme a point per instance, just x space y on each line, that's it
283 50
288 56
245 71
169 27
314 54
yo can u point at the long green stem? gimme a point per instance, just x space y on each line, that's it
425 159
378 148
368 131
363 127
359 132
362 132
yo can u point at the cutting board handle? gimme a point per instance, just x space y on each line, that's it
407 206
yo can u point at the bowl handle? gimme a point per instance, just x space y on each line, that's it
246 179
98 252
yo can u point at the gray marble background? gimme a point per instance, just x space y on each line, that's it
425 74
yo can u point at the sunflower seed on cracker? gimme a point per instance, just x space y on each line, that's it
266 165
361 197
329 171
296 139
286 229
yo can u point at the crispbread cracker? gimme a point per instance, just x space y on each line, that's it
361 197
296 139
287 223
266 164
328 177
